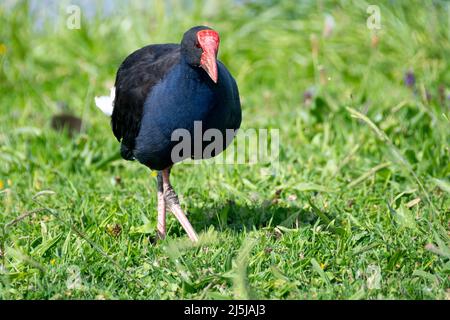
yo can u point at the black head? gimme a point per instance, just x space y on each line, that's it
199 48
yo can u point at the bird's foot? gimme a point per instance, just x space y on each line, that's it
173 204
161 226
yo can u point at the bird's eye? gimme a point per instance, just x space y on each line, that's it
197 45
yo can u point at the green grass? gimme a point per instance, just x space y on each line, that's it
358 209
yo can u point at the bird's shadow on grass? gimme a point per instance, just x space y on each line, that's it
238 217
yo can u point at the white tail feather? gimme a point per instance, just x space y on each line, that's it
105 103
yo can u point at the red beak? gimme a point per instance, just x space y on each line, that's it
209 42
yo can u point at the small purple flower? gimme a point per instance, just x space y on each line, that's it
307 95
410 79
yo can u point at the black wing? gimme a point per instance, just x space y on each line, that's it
136 76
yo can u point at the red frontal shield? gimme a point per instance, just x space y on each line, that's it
209 42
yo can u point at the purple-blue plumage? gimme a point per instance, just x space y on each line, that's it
161 88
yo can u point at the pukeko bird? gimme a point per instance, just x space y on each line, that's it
164 87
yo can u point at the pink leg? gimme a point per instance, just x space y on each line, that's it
173 205
161 208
